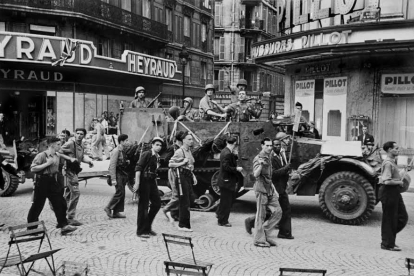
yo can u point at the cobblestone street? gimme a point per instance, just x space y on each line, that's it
110 246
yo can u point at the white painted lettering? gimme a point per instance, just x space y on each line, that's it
3 44
19 74
24 51
32 76
46 50
85 54
5 73
58 76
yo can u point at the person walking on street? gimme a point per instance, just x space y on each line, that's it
99 141
266 197
119 177
45 166
74 149
147 189
183 163
280 177
394 213
171 209
227 181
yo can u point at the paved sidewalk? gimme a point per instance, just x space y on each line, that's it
111 247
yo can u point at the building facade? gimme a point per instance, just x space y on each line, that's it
64 62
349 63
237 25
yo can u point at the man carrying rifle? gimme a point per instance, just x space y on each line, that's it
139 101
242 110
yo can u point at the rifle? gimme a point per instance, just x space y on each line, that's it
153 100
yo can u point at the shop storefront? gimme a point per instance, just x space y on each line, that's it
347 76
39 99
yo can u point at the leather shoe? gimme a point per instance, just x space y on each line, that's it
152 233
390 248
285 237
262 244
247 226
67 229
74 222
272 243
108 212
225 224
118 215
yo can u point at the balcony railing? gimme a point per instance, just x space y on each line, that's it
101 10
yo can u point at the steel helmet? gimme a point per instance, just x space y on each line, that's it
210 86
174 111
281 136
189 100
139 88
242 82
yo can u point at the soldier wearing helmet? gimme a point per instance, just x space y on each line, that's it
139 101
209 110
189 113
241 110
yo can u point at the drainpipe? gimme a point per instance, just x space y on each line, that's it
232 43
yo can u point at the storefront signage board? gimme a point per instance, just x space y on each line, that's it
305 94
334 108
29 48
318 38
397 83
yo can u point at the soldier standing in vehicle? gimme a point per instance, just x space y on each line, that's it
209 109
189 113
119 178
266 197
72 193
243 108
45 166
394 213
139 101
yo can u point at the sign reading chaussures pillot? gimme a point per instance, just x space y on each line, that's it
31 48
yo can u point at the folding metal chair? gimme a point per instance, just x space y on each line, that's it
184 265
302 270
21 234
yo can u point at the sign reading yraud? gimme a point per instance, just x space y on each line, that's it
51 50
397 83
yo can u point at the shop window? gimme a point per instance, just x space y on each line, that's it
2 26
64 107
334 123
79 110
51 113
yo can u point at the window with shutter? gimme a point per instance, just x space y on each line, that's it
187 28
146 8
222 48
218 14
168 19
221 80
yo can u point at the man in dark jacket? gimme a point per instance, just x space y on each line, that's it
280 177
365 137
227 181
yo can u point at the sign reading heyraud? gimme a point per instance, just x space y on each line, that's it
397 83
47 49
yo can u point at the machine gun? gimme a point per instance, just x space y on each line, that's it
153 100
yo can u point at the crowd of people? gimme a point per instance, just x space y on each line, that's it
57 171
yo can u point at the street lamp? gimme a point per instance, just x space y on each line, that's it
183 59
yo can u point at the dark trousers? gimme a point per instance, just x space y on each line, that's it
117 202
226 201
186 197
47 187
394 214
148 191
285 224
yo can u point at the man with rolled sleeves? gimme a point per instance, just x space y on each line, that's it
74 149
266 197
394 213
147 189
46 166
119 178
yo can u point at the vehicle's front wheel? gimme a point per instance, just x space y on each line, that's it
347 198
215 189
11 183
